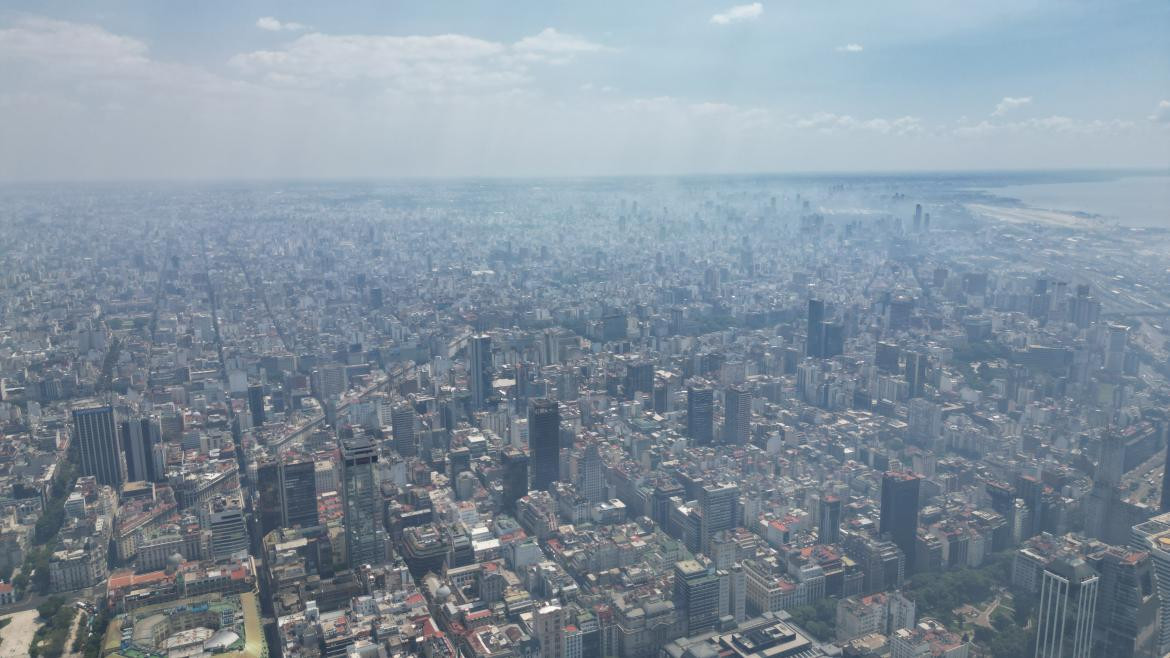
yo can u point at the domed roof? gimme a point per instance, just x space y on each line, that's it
223 638
444 593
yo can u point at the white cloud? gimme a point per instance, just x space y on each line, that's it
850 48
828 123
1010 103
739 13
273 25
1161 113
87 60
77 100
550 41
441 63
1055 124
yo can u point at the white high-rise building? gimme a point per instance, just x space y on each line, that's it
1065 614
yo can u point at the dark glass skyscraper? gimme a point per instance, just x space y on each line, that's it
544 442
363 536
899 514
139 436
479 370
514 478
298 483
701 414
886 357
916 373
268 492
256 404
816 337
829 519
737 415
96 431
1164 505
404 418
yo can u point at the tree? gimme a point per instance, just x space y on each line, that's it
49 608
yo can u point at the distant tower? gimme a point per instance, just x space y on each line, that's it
592 474
228 525
404 420
479 370
1115 348
1165 503
1153 536
700 414
256 404
717 503
832 339
269 508
886 357
544 443
899 513
139 436
360 496
829 519
901 308
1127 603
815 347
96 432
737 415
514 478
916 373
298 484
696 595
1065 613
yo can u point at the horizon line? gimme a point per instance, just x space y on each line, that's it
808 173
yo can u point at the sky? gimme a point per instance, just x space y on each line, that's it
221 89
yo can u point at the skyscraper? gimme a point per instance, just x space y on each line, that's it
404 420
96 431
1127 604
1115 347
1164 504
639 378
886 357
298 484
269 506
737 415
815 345
550 631
828 519
256 404
139 436
901 308
363 536
832 339
717 504
515 477
1153 536
592 476
224 516
696 594
1065 613
544 442
479 370
899 513
700 414
916 373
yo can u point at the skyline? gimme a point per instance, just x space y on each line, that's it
299 91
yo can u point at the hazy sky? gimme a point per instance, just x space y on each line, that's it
224 89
